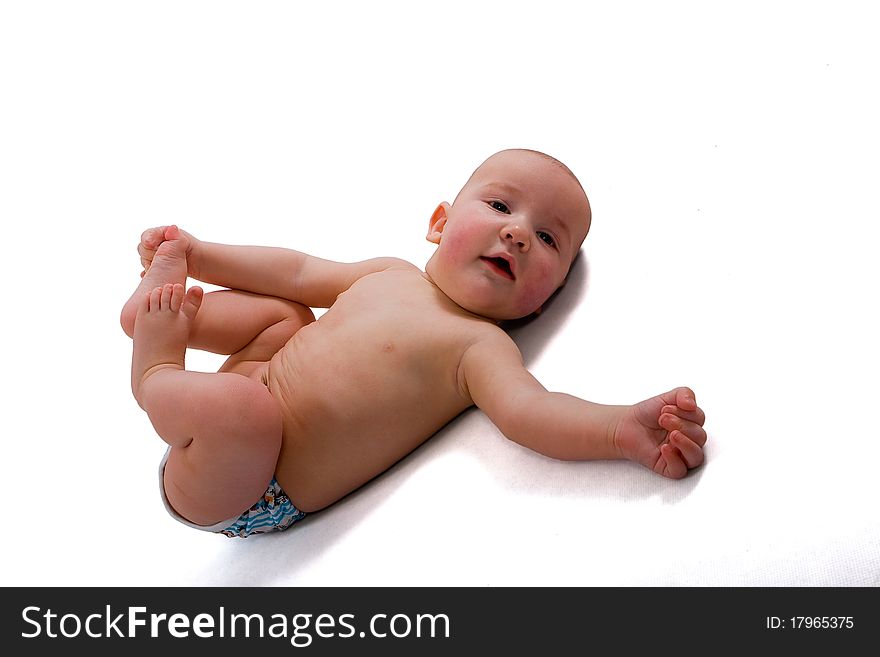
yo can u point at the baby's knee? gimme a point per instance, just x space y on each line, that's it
297 313
292 317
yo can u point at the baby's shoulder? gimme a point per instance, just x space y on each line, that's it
399 264
488 336
386 271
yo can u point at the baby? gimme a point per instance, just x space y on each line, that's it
304 412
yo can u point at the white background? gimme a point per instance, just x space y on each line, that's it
730 151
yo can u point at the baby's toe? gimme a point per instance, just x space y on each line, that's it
155 299
177 292
167 292
192 301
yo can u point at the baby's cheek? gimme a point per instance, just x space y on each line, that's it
538 289
453 249
457 246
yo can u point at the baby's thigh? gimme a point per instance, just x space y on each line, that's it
233 453
259 351
231 321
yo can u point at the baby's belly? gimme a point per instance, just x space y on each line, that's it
351 413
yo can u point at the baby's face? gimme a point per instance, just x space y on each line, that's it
507 242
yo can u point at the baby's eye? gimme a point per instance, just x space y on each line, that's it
501 207
547 237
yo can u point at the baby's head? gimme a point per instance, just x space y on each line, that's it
506 243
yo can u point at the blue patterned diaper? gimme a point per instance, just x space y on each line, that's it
272 512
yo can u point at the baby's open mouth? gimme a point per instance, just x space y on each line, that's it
500 266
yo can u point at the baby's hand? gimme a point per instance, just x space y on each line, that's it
153 237
664 433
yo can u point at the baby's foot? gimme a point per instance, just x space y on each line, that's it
168 266
664 433
161 330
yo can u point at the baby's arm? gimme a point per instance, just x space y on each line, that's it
272 271
554 424
565 427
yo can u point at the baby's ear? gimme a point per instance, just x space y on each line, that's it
437 223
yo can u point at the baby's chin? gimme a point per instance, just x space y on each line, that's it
476 297
492 309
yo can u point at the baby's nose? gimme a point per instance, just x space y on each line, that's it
518 235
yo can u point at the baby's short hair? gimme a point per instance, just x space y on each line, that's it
552 159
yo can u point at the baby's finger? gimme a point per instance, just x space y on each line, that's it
689 450
145 253
686 399
697 416
691 429
153 237
675 466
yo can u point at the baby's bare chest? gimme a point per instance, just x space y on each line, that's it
389 341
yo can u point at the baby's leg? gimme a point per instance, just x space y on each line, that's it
229 320
224 429
233 320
